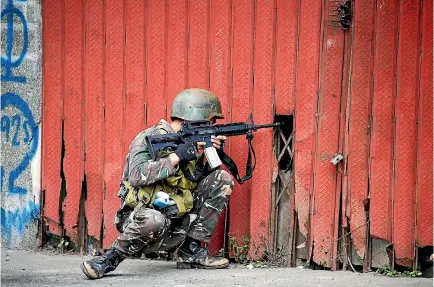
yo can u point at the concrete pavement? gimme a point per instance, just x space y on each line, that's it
34 268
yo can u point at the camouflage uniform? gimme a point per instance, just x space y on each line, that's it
204 195
149 230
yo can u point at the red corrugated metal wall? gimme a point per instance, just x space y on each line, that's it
113 68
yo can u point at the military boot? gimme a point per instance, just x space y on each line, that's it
192 255
99 266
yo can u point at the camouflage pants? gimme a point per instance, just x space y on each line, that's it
148 230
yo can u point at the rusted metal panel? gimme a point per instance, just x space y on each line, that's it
263 113
177 47
359 122
286 55
52 111
220 69
381 153
425 133
306 102
73 113
156 57
198 49
242 78
405 133
325 192
94 117
135 70
114 114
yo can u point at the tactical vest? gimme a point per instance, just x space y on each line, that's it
178 186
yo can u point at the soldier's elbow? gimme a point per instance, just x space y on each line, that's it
134 178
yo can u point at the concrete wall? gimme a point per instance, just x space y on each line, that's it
21 101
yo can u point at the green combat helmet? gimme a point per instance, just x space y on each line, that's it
196 104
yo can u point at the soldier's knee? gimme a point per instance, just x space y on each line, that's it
227 182
150 221
226 178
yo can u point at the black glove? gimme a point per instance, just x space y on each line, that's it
186 153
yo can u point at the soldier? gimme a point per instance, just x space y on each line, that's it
200 195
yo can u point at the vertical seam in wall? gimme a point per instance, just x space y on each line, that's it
124 79
104 95
231 65
315 135
102 120
42 170
186 45
208 44
83 88
346 127
322 57
252 82
419 119
297 60
392 162
82 220
187 62
294 131
394 129
272 154
166 56
62 81
145 63
367 261
372 95
273 63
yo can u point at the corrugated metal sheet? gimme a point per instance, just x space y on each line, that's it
327 196
113 68
424 179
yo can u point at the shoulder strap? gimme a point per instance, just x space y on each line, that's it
232 166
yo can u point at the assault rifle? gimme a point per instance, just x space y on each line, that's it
201 131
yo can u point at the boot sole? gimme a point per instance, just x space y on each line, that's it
88 271
183 265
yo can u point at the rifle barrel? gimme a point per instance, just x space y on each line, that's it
268 125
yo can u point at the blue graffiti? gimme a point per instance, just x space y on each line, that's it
18 219
11 127
8 63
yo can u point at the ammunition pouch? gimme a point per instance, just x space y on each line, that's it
178 187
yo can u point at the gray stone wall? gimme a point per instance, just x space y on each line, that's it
21 103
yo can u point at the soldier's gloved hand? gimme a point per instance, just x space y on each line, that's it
186 153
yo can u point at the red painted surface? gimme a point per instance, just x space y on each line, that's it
260 200
305 123
382 120
177 45
73 164
327 142
242 58
135 71
425 133
286 68
405 132
156 61
52 111
112 69
359 133
220 64
198 49
114 114
94 116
